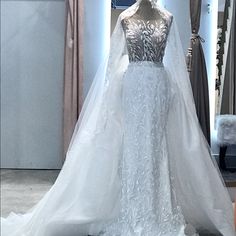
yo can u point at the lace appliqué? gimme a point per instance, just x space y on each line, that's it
148 203
146 40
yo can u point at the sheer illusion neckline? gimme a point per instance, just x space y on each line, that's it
144 22
138 17
146 40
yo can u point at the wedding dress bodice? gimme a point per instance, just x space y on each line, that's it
146 39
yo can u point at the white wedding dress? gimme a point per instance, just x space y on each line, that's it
138 163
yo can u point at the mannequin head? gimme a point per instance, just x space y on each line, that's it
151 2
146 3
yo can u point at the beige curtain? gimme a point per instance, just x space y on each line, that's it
73 68
198 71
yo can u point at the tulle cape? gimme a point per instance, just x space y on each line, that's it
86 192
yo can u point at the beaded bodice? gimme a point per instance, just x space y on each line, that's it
146 39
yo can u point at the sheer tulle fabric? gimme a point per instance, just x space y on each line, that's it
86 193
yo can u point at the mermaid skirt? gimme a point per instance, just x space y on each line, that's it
148 202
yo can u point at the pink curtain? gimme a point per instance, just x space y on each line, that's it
73 69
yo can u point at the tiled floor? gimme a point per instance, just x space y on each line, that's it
22 189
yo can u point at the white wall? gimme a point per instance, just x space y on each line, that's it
180 11
96 37
208 31
32 53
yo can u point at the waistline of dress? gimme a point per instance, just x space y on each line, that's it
146 63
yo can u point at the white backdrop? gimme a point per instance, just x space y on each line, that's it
32 49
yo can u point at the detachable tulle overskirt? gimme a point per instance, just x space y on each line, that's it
139 154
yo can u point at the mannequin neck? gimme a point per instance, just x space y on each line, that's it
146 11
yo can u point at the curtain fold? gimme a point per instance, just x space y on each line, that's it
197 70
73 69
228 105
